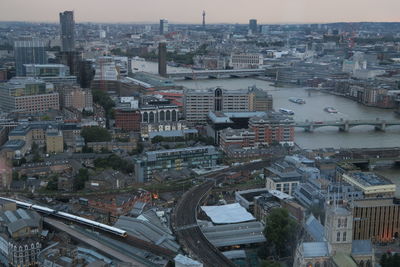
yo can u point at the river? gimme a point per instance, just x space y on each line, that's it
357 137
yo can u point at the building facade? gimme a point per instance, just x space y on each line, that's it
174 159
28 95
67 24
30 51
273 128
246 60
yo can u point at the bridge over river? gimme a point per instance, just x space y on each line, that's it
345 125
215 74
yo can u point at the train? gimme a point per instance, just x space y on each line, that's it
70 217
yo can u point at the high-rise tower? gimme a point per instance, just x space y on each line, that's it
162 59
163 26
67 24
204 18
253 26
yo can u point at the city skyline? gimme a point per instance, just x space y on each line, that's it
125 11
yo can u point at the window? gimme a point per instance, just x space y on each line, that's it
338 236
344 236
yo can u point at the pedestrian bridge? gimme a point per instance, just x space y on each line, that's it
216 74
345 125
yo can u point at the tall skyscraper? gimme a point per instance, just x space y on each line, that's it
30 51
253 26
163 26
67 24
204 18
162 59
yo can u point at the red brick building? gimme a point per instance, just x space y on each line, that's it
117 205
236 137
127 119
273 128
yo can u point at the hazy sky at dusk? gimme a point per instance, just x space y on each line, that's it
218 11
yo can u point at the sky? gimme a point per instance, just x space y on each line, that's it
190 11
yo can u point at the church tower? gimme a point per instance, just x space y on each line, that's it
338 228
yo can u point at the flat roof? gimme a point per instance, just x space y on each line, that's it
231 213
369 178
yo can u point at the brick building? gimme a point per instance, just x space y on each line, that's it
117 205
127 119
273 128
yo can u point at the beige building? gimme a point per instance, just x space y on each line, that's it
54 141
372 185
78 98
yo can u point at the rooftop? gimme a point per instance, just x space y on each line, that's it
369 178
315 249
231 213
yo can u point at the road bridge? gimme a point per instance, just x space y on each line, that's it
345 125
216 74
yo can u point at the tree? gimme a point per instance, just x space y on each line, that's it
281 231
95 134
52 184
389 260
80 179
157 139
104 100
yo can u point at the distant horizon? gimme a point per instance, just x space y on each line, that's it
197 23
190 12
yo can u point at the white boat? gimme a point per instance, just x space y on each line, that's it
331 110
286 111
297 100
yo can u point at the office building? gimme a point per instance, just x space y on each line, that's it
253 26
246 60
273 128
282 176
67 24
198 103
127 119
163 26
28 95
376 219
29 51
154 162
162 59
77 98
57 74
243 138
259 100
371 184
154 110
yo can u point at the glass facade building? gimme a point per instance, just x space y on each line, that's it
175 159
30 51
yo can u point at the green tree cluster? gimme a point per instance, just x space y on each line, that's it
389 260
80 179
52 183
95 134
114 162
104 100
281 232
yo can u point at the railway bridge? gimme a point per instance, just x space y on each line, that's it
215 74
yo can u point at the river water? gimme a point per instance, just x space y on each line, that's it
357 137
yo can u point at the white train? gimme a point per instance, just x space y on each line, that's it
69 217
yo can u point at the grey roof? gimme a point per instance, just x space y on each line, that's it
315 229
235 234
148 231
16 220
315 249
362 247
